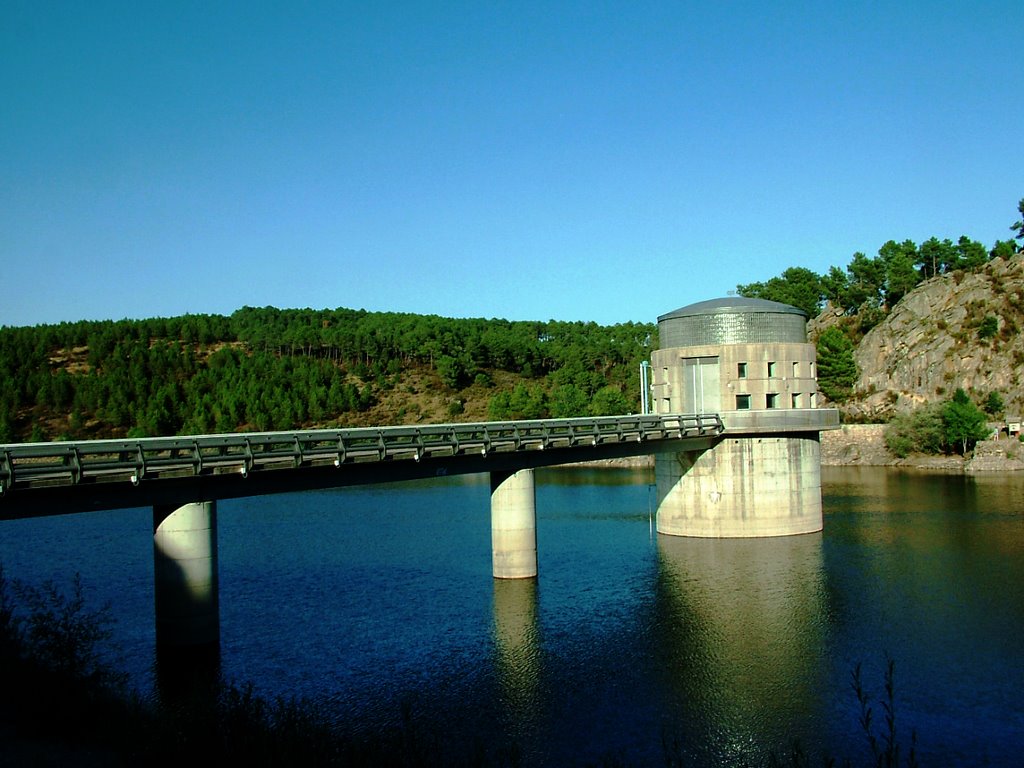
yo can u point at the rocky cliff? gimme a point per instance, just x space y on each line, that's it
956 330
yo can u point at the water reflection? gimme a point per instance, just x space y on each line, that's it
743 633
517 657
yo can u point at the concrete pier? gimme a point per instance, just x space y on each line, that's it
185 573
756 486
513 524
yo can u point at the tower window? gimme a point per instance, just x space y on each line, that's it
771 370
742 402
741 370
771 400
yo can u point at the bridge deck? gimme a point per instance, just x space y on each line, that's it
56 478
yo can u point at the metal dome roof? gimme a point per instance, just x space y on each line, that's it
733 305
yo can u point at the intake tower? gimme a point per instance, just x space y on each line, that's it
750 361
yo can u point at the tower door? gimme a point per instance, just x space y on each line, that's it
701 385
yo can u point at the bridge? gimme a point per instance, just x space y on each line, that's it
182 478
39 479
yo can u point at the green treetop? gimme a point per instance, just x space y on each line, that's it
963 421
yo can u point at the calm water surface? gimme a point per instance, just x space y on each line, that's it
378 604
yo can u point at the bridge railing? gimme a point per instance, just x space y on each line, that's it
31 465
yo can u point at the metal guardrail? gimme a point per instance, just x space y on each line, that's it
38 465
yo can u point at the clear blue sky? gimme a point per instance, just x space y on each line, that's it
575 161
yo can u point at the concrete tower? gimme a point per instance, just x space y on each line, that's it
748 360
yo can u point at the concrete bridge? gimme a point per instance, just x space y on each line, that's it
735 435
181 479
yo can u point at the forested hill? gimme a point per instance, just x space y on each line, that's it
275 369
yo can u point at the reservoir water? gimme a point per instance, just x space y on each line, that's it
377 603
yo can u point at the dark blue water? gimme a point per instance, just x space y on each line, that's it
378 604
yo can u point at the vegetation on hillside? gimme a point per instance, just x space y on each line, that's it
953 426
870 286
273 369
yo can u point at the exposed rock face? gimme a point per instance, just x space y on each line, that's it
997 456
959 330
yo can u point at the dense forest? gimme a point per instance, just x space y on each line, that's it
272 369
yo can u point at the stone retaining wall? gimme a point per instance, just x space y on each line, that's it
864 445
855 444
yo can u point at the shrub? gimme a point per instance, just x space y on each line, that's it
989 327
63 636
920 431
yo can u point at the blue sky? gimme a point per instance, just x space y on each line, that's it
570 161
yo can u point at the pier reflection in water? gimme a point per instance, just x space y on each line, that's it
518 655
742 629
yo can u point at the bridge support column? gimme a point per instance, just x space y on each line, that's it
513 525
185 570
742 487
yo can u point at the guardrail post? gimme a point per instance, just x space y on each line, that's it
185 573
513 525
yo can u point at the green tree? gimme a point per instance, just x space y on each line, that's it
964 422
994 404
568 400
609 401
835 286
452 371
971 254
1018 225
837 370
900 275
1003 249
936 257
797 286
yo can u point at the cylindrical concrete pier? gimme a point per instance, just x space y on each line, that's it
746 487
514 524
185 572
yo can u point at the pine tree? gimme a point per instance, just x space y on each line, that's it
837 370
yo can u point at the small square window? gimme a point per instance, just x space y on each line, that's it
771 370
796 399
796 369
771 401
741 370
742 402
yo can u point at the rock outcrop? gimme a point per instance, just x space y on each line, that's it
960 330
996 456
